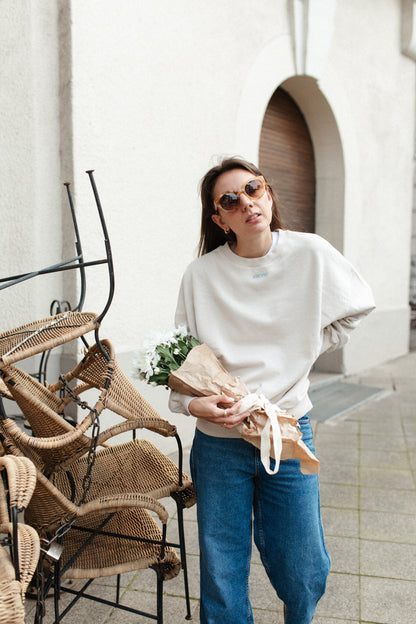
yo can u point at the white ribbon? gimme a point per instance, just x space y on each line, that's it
253 402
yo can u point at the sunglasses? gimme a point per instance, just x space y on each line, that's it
253 189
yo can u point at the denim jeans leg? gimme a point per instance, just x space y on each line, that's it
222 472
289 535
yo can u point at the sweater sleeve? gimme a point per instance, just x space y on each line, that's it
178 402
346 300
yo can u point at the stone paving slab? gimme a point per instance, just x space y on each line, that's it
342 597
397 501
389 560
388 527
387 601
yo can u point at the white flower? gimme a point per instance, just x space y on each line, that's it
148 362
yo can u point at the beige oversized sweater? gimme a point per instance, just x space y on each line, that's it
268 319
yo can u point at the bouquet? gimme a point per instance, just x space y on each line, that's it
178 361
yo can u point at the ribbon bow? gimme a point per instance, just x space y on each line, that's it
253 402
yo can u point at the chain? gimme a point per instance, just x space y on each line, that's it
54 551
86 482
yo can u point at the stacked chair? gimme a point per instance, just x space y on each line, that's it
96 505
18 562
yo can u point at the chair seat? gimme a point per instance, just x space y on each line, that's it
136 466
115 555
38 336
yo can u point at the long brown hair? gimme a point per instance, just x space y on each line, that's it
213 236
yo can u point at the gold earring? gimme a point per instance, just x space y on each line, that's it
227 230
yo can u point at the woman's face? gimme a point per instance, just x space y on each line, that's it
252 216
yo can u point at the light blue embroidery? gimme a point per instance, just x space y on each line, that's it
259 275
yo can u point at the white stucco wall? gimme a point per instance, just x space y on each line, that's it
29 156
377 128
147 94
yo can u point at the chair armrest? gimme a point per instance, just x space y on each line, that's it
21 479
108 504
122 427
28 550
53 442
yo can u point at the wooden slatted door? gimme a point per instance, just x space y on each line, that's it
287 160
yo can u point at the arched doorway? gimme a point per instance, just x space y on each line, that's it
287 159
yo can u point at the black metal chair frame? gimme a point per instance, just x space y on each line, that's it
78 263
13 543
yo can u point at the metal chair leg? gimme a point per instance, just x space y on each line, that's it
182 548
159 608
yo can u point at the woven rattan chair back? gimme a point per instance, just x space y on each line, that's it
16 487
39 336
40 407
117 393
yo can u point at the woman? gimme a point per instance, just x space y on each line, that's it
268 302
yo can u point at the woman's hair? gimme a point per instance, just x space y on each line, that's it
213 236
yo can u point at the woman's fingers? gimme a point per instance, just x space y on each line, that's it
237 419
208 408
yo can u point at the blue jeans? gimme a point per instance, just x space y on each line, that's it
232 487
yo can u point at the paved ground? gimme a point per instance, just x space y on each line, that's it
368 492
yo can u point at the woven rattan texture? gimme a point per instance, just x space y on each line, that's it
121 396
20 483
126 478
11 604
138 466
38 336
58 444
49 509
111 555
29 550
21 476
55 439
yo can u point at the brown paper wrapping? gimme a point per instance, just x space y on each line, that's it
202 375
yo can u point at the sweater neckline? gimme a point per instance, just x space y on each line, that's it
270 256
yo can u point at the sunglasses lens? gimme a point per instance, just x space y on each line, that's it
254 188
228 201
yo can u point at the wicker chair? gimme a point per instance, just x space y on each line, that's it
65 488
59 450
111 532
99 369
16 570
39 336
60 444
12 610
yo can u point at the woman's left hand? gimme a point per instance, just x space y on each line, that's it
234 416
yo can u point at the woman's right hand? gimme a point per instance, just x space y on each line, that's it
207 408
